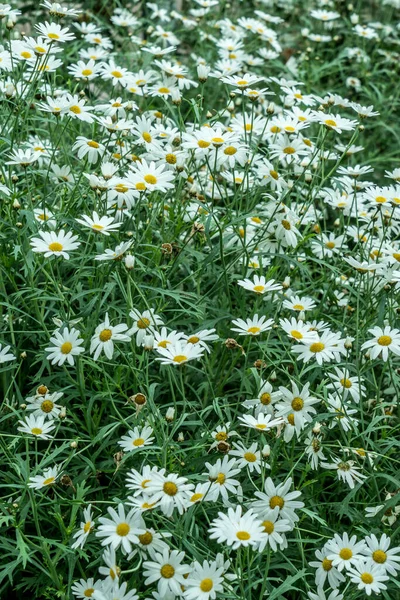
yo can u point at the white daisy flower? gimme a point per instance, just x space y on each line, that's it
104 337
260 285
204 581
51 243
137 438
263 422
167 570
380 553
66 346
278 496
103 225
369 576
121 530
49 477
179 353
346 471
5 355
384 341
253 326
237 529
37 427
85 528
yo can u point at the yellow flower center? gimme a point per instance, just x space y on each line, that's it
296 334
116 74
384 340
55 247
248 127
47 405
230 150
265 398
330 245
170 158
66 348
379 556
144 483
167 571
326 564
268 527
345 553
88 593
290 419
146 538
380 199
196 497
289 150
276 501
317 347
298 307
147 137
93 144
203 144
274 174
140 186
250 457
143 323
217 141
26 54
275 129
97 227
242 82
49 481
330 123
150 179
170 488
254 329
220 478
87 526
163 90
206 585
193 339
121 188
346 383
87 72
259 288
105 335
53 36
40 49
290 129
36 431
180 358
123 529
367 578
297 404
243 535
75 109
138 442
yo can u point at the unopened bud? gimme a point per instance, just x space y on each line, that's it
266 451
129 261
170 414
